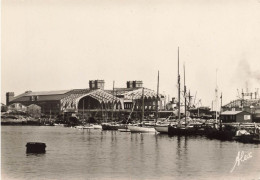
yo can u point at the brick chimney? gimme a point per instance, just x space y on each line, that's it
96 84
134 84
9 97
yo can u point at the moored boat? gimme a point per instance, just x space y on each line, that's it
162 128
182 130
109 126
247 137
112 126
141 129
146 126
59 124
97 126
223 133
88 126
79 127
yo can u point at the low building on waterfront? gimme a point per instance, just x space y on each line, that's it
236 116
249 102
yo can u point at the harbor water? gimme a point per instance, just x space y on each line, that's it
97 154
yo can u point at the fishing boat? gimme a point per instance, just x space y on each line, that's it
245 136
110 126
218 130
222 132
142 127
180 128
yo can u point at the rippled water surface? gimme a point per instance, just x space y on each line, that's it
96 154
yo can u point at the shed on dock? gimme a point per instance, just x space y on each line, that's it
236 116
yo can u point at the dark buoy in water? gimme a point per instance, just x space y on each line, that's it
35 147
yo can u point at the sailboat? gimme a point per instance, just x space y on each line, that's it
141 128
180 128
112 125
125 129
161 127
86 126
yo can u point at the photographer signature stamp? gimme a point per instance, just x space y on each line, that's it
240 158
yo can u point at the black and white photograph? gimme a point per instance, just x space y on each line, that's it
130 89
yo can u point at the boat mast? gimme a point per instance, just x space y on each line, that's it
184 95
220 109
179 86
88 110
189 103
157 99
113 101
83 108
216 92
142 117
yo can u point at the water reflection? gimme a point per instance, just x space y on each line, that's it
28 155
73 154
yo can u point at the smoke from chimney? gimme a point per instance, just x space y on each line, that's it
245 75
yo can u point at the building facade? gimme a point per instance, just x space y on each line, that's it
249 105
93 100
236 116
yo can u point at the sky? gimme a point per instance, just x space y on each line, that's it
62 44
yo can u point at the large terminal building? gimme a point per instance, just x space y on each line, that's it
94 100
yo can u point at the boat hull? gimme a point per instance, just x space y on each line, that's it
97 126
79 127
137 129
110 127
162 129
173 130
113 126
221 135
88 127
249 138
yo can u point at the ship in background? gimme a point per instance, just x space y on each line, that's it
247 101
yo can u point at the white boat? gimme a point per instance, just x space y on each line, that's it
62 125
97 126
141 129
89 126
162 128
79 127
